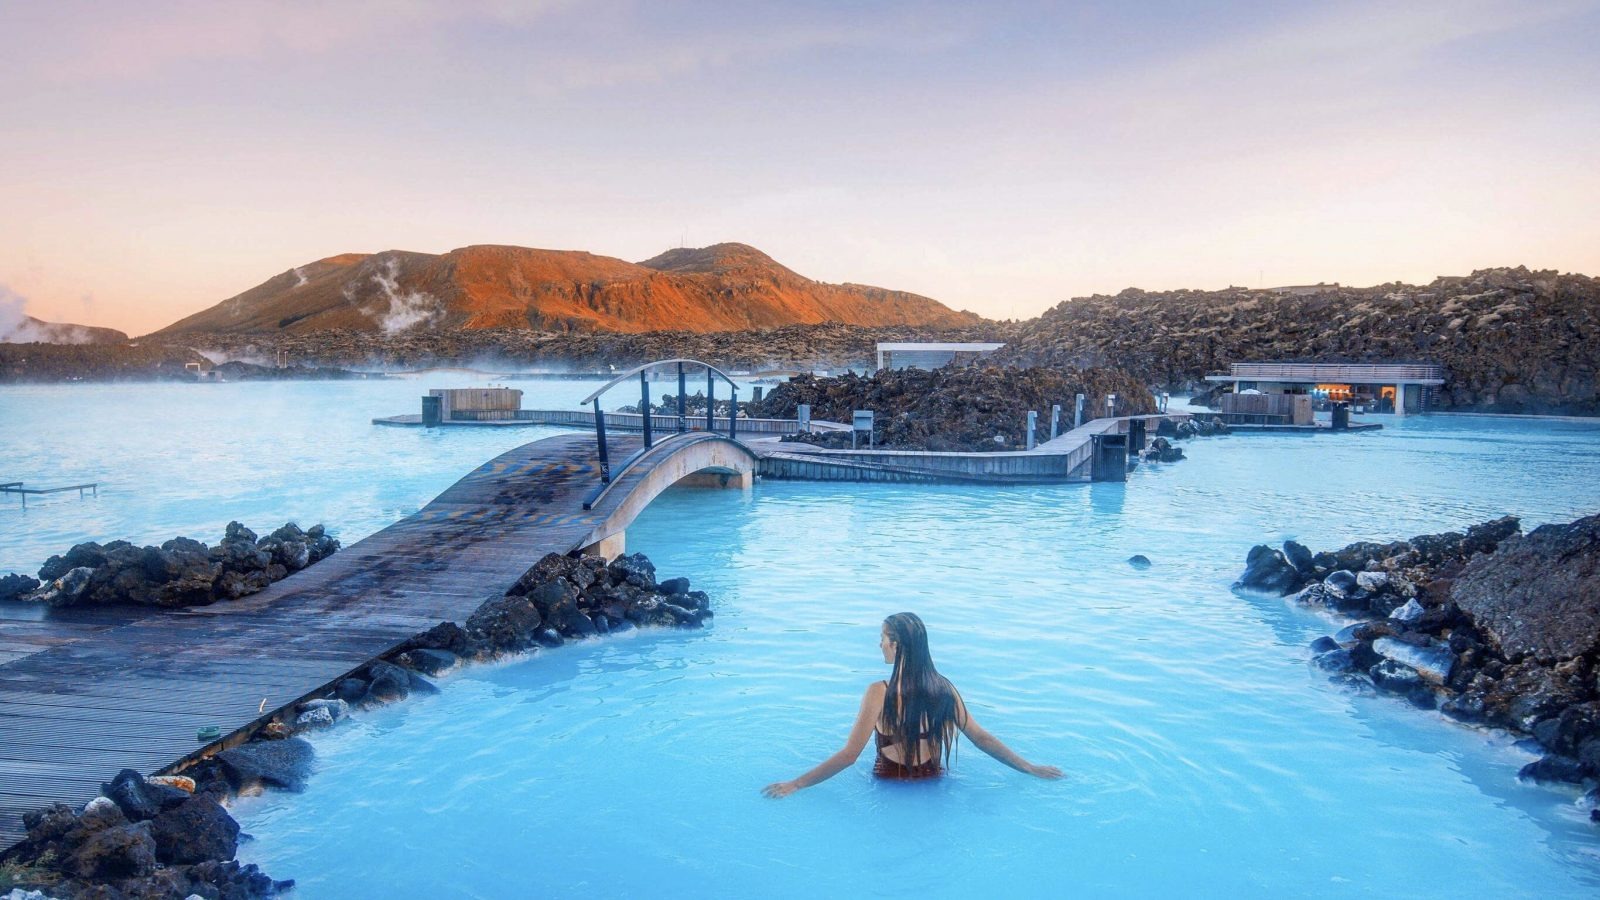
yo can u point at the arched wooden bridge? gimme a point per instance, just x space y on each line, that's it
87 692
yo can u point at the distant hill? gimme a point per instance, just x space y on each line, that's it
28 330
725 287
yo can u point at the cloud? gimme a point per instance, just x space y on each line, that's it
137 39
647 58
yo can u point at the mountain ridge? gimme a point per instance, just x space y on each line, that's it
723 287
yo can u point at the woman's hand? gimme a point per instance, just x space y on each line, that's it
1049 773
779 789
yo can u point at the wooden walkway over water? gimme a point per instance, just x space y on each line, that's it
87 692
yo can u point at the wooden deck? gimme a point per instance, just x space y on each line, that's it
87 692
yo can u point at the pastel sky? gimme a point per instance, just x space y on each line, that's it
157 157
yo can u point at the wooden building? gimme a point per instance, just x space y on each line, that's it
1400 388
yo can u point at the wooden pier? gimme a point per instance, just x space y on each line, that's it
616 421
87 692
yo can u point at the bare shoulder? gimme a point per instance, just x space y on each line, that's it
877 690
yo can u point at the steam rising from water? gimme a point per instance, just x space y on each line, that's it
17 327
406 310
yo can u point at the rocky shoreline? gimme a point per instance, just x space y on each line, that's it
1490 626
181 572
170 836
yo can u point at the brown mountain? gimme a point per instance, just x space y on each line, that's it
725 287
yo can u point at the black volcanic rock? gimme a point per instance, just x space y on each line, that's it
972 408
1538 594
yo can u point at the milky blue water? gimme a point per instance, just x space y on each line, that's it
1205 758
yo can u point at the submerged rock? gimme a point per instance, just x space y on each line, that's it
283 764
1434 664
1139 561
1268 571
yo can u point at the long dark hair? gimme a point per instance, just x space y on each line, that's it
921 705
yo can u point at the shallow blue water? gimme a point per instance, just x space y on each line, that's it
1204 756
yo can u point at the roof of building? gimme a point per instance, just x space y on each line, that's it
1312 372
960 348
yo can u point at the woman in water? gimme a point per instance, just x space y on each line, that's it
914 717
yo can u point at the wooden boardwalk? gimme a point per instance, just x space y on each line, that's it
87 692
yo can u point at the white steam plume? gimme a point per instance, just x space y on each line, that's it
17 327
406 310
299 276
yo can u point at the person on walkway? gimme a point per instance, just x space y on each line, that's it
914 717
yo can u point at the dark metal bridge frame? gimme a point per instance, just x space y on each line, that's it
643 373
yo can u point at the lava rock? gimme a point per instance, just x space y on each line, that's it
314 718
337 709
550 568
113 853
1539 594
1300 558
351 690
1433 663
1393 677
66 590
1553 768
636 570
416 684
14 586
1139 561
283 764
386 682
428 661
1267 571
1343 581
673 586
195 831
446 636
139 799
88 555
1409 611
1337 661
504 624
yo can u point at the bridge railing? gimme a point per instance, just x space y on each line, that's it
643 372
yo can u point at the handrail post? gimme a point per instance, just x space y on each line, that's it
600 437
644 404
683 403
733 414
711 401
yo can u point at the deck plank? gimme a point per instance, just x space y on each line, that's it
87 692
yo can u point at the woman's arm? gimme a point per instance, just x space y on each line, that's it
866 720
991 745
